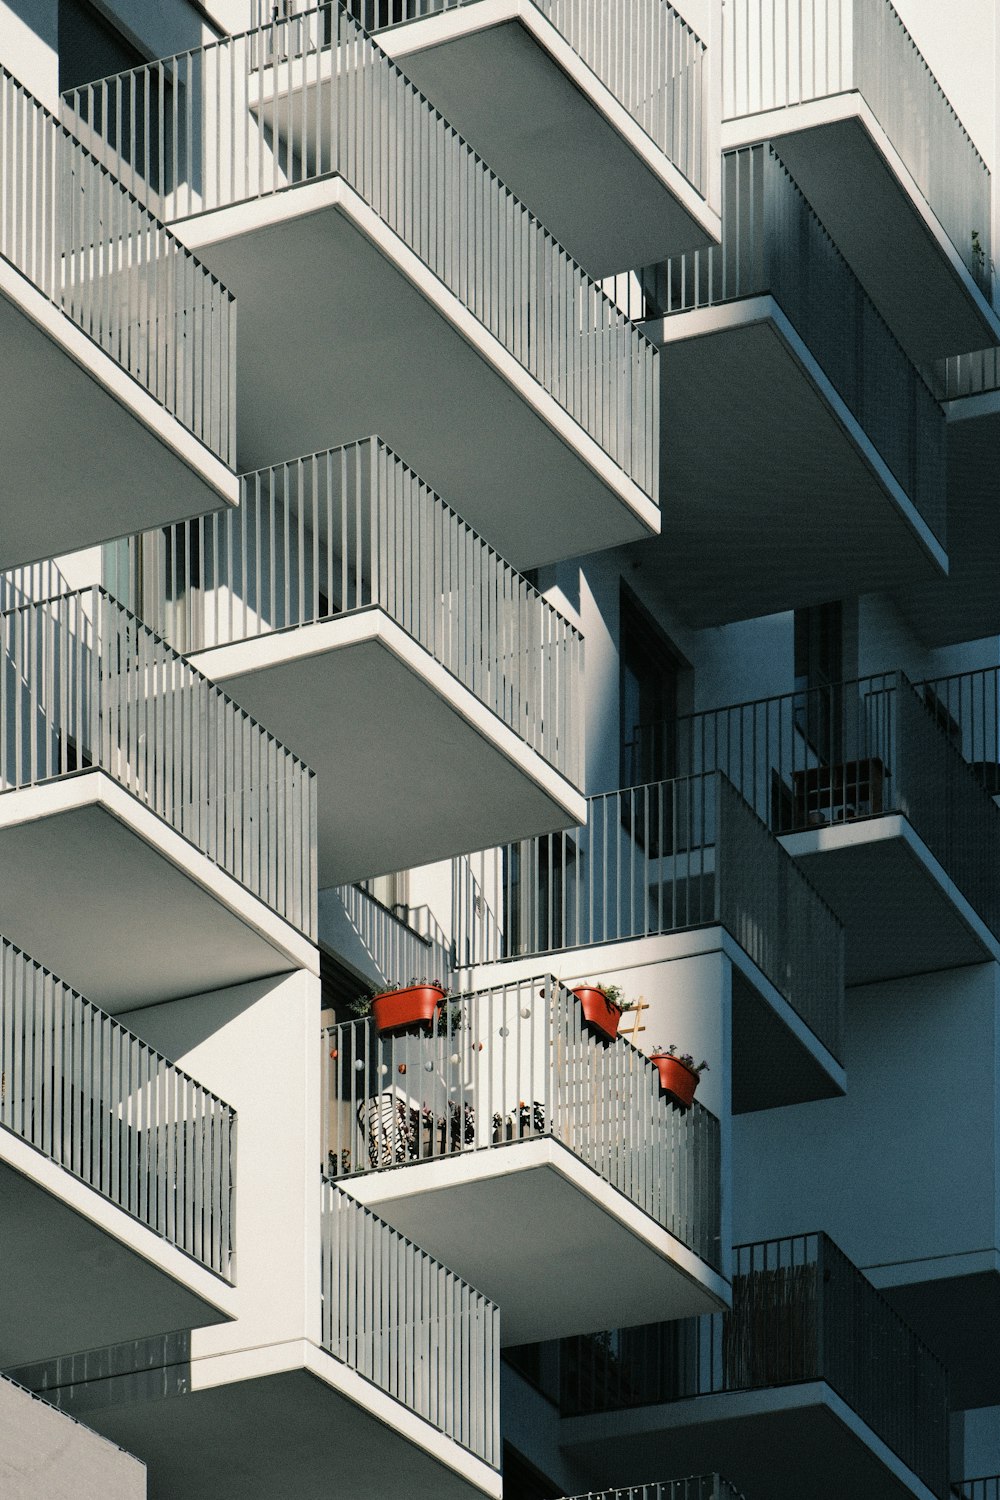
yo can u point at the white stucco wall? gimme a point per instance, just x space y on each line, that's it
45 1455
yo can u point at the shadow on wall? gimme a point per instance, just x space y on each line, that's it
139 1370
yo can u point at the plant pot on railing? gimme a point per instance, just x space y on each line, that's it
602 1008
679 1076
415 1006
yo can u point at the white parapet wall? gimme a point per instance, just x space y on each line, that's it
45 1455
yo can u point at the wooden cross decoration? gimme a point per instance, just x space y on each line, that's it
635 1015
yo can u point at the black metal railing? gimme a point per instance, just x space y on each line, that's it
978 1489
697 1487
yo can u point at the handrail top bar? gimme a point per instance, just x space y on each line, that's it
358 886
98 589
336 7
380 443
116 1024
95 161
958 676
889 680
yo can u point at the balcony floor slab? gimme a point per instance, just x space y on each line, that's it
751 526
344 332
880 221
88 453
121 906
559 1250
508 81
411 767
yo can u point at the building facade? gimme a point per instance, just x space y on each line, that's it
499 750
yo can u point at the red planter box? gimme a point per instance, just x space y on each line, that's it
676 1079
399 1009
598 1011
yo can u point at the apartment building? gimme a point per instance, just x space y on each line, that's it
502 505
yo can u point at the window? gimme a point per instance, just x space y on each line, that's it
819 673
650 671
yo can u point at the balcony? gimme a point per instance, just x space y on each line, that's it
387 279
773 334
698 1487
377 943
404 1378
511 1113
137 800
687 863
43 1446
625 112
811 1363
978 1489
434 692
875 803
111 1159
108 326
864 127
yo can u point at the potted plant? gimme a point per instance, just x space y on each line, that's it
679 1074
602 1006
400 1007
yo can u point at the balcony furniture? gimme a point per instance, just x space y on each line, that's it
838 793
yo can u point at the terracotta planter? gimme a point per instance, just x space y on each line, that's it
676 1079
400 1009
599 1012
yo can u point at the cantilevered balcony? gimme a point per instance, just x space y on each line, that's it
434 692
811 1364
688 864
388 280
404 1378
698 1487
868 789
804 456
864 126
113 1162
117 406
512 1114
145 814
605 126
379 944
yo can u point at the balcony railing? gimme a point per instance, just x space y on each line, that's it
657 859
974 374
395 944
92 1097
801 1312
191 133
978 1489
409 1325
779 53
88 246
856 750
644 53
966 708
698 1487
516 1063
85 684
351 529
773 244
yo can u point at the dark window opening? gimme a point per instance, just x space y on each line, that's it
650 671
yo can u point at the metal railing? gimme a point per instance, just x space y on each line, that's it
854 750
84 684
773 243
313 97
410 1326
974 374
351 529
641 50
88 246
987 1488
697 1487
514 1063
394 947
966 708
778 53
92 1097
801 1312
657 859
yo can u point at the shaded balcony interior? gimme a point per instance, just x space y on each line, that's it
408 1365
866 785
153 1152
958 1318
375 943
859 119
667 858
811 1363
435 693
509 1111
772 333
136 798
412 283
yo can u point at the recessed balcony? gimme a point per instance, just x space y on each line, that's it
404 1379
811 1364
109 326
658 875
511 1113
388 280
872 798
608 133
136 799
434 692
772 336
863 125
116 1178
